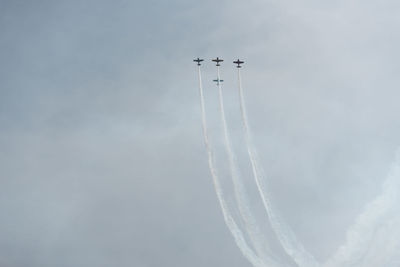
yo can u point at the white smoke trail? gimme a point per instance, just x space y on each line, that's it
373 240
250 223
284 234
229 220
384 248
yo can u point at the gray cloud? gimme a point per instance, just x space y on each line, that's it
102 160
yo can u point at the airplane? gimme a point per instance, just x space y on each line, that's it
218 61
218 81
198 60
238 62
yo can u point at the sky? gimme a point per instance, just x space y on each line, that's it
102 159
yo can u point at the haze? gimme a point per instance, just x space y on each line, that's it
102 159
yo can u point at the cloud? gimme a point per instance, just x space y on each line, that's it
102 160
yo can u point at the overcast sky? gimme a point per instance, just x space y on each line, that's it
102 161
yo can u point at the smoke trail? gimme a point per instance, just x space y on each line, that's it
285 235
377 224
229 220
249 220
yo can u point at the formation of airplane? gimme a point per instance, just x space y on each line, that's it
218 60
